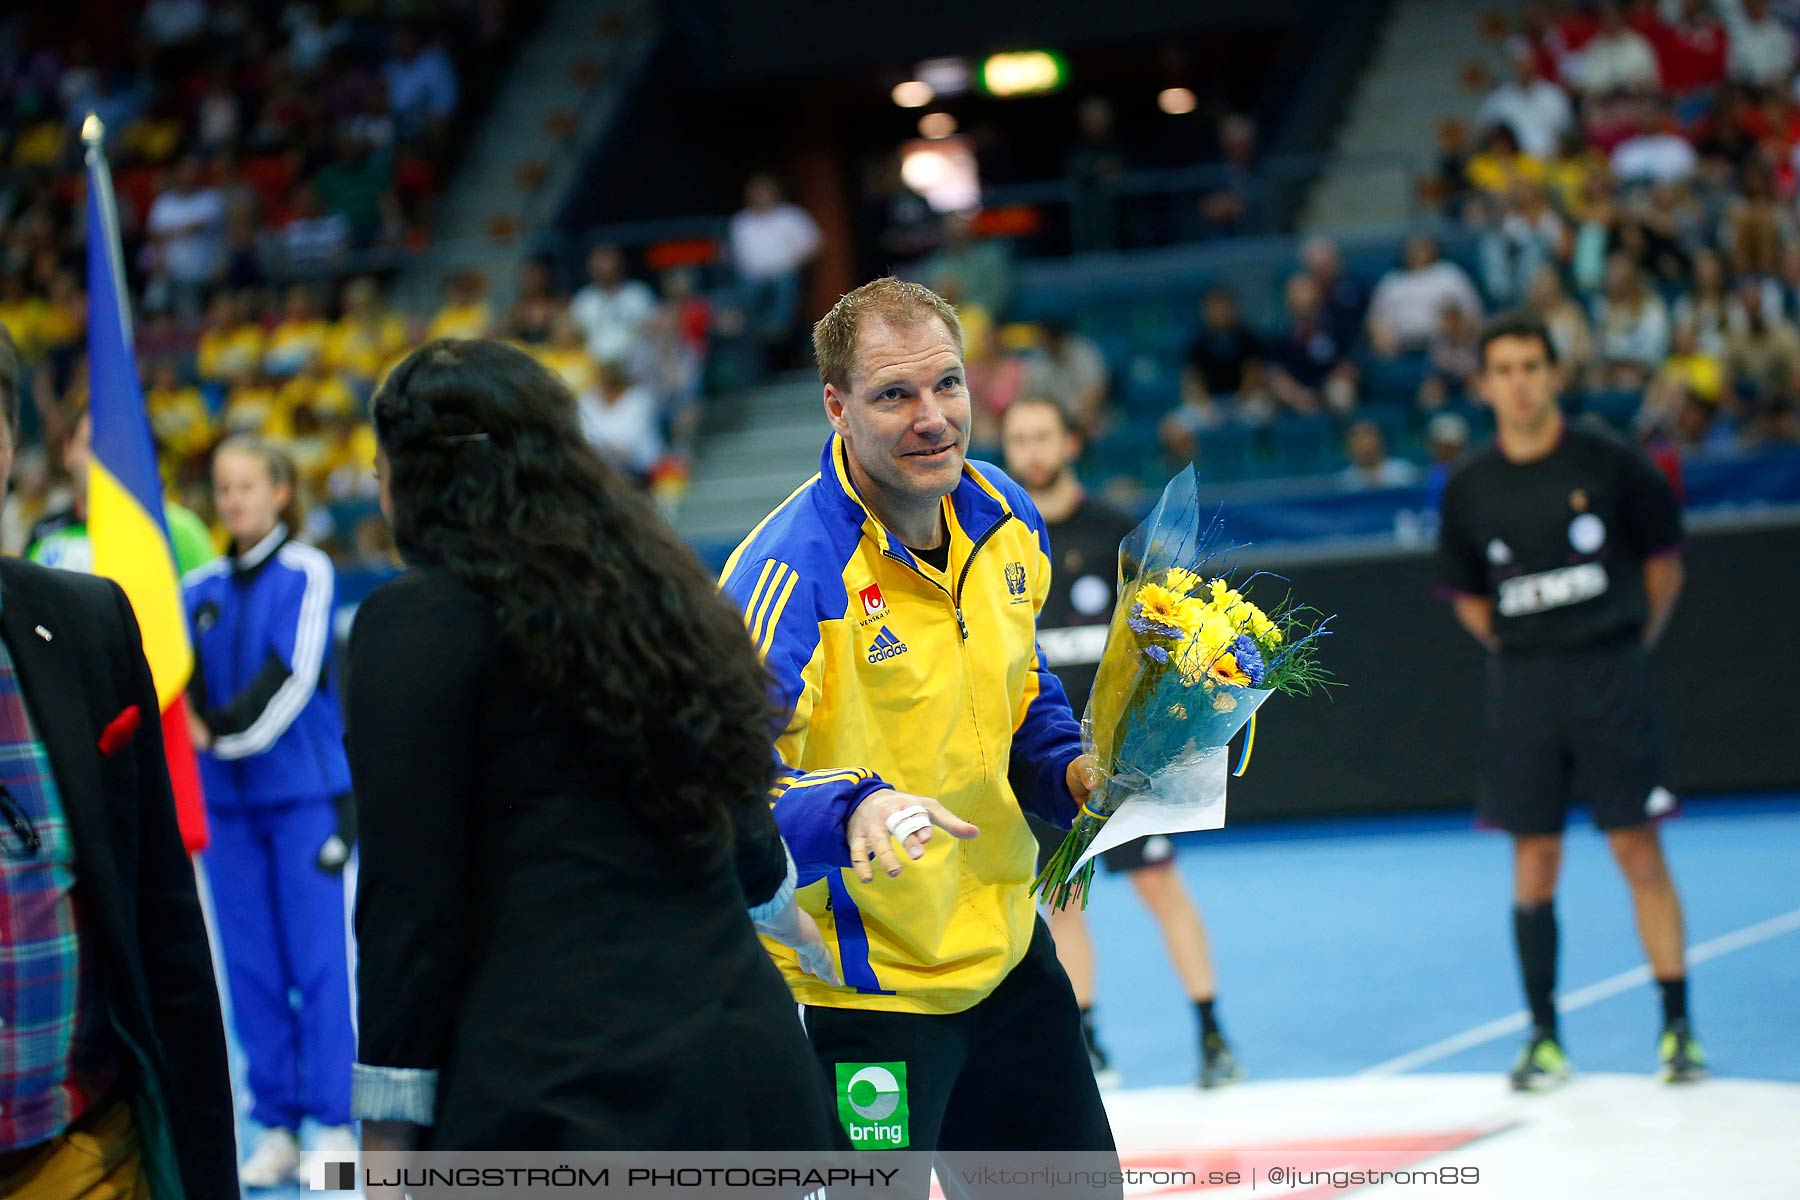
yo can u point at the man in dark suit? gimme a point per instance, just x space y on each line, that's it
115 1082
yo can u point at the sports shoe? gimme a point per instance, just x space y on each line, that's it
274 1162
1682 1059
1218 1065
1541 1066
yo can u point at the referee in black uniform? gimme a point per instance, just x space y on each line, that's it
1561 548
1041 447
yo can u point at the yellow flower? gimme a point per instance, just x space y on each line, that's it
1244 614
1211 636
1226 670
1180 579
1168 608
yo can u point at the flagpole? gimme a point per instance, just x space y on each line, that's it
93 137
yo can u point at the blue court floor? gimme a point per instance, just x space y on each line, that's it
1384 944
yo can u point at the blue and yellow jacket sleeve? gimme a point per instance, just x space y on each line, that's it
812 808
1046 735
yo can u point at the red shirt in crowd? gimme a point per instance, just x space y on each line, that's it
1687 56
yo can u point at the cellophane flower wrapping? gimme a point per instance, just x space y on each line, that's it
1189 659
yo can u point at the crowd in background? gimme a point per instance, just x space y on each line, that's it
1634 181
1631 176
272 162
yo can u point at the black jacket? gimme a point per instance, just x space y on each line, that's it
140 910
574 981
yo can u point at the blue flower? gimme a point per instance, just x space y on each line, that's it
1249 660
1145 626
1157 654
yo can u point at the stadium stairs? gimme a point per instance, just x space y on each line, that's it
1413 81
556 101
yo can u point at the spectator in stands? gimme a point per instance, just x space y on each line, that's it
312 241
298 338
1761 52
1446 441
1535 109
1092 168
1690 373
178 417
1692 49
466 312
1499 167
1528 236
1346 301
1408 301
1454 358
1762 355
619 420
252 405
1239 206
367 339
772 241
1567 321
1757 225
358 185
232 343
1706 307
1649 240
1448 185
1616 59
538 303
1219 349
1255 404
611 309
1309 366
1370 465
566 355
982 266
421 85
1633 326
1070 370
186 224
1657 153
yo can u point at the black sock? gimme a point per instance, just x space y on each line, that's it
1534 929
1209 1022
1674 999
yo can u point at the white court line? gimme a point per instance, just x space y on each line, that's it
1593 993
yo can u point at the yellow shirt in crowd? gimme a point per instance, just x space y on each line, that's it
229 352
461 321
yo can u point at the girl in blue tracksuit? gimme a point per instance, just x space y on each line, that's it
273 761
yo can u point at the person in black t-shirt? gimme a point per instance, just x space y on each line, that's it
1560 547
1041 447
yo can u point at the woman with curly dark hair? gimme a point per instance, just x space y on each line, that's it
558 737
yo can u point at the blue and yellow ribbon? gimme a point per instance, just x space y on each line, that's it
1243 762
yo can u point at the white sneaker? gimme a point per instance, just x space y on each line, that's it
275 1160
332 1143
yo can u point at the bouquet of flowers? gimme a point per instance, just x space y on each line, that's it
1189 658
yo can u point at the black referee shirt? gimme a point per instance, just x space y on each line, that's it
1084 553
1558 544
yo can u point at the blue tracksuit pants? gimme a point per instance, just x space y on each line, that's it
281 931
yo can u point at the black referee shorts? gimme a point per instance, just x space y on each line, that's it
1579 726
1136 855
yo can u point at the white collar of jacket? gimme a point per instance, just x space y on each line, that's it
259 554
977 505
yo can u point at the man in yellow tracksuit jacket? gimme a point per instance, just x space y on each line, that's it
894 599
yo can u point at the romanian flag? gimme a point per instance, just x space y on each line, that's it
125 498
